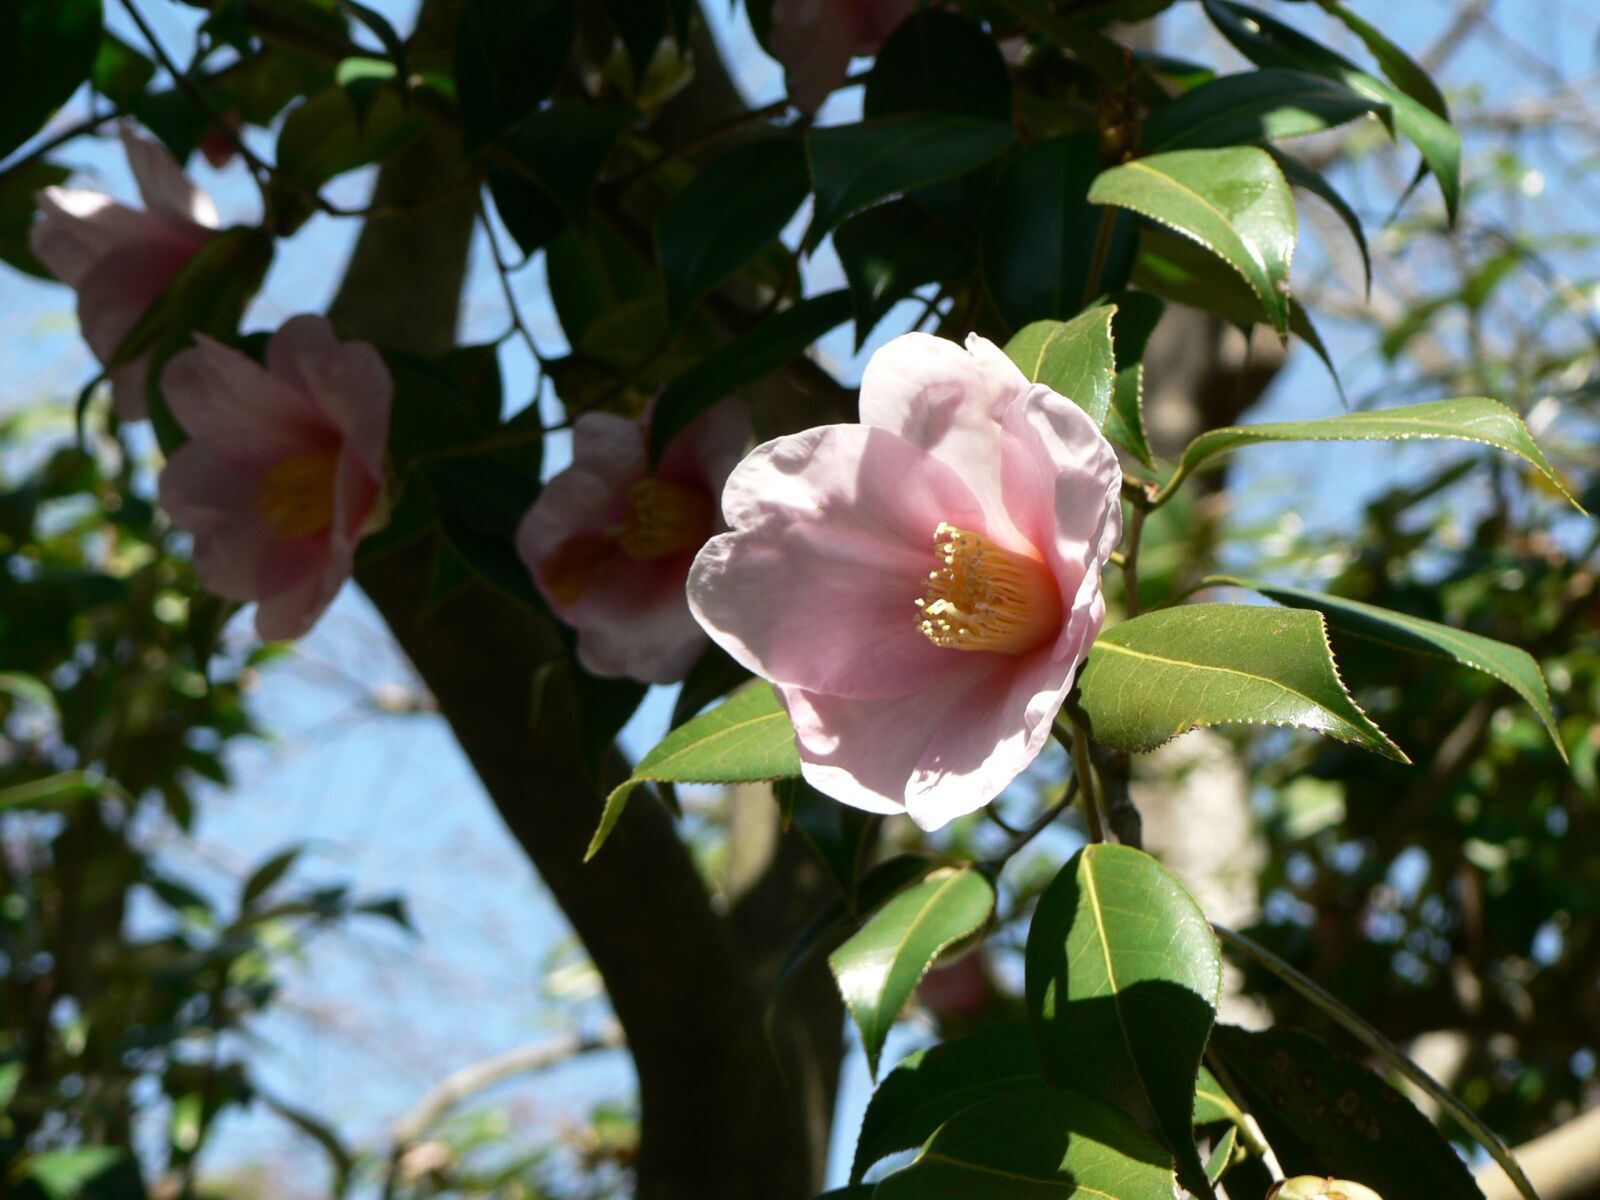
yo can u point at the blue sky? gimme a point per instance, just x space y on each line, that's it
371 1017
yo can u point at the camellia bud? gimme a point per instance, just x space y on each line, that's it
1320 1187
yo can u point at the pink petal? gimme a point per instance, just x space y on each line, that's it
130 389
292 612
814 40
214 500
1063 482
120 288
347 380
949 401
633 620
224 399
876 20
831 546
706 452
165 188
355 494
76 229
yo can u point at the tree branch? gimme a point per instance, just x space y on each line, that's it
1563 1164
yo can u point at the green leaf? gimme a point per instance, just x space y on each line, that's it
446 404
1512 666
1181 271
1255 106
1170 671
509 54
1123 978
120 72
1040 233
548 165
1221 1153
1268 42
937 61
86 1173
1211 1103
1301 176
1325 1114
744 739
53 791
1072 357
730 213
1403 71
18 187
47 48
766 347
1469 419
267 874
929 1087
1138 313
326 136
1034 1146
890 250
854 165
1235 202
880 966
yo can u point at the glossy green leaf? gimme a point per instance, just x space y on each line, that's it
1035 1146
1469 419
880 966
1181 271
746 738
1268 42
1303 177
890 250
547 167
730 213
768 346
1072 357
854 165
1177 669
1040 233
929 1087
17 204
1403 71
1235 202
1123 978
1221 1153
509 54
939 62
1138 313
1511 665
1325 1114
1254 106
47 48
1211 1103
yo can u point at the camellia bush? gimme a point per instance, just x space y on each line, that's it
889 601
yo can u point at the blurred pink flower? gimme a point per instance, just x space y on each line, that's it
609 543
816 39
922 587
119 259
283 471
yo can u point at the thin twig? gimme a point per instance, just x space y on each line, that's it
1021 837
87 125
1083 769
503 270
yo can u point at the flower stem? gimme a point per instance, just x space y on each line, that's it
1084 770
1130 561
1102 251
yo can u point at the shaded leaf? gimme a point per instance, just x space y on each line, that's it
1138 313
1072 357
879 967
929 1087
854 165
120 72
1034 1145
1512 666
1235 202
509 54
732 211
1325 1114
1123 978
327 136
1301 176
937 61
1211 1103
1177 669
1253 106
888 251
18 187
548 165
746 738
47 48
1403 71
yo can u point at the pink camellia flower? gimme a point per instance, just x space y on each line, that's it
921 588
816 39
609 543
283 471
119 259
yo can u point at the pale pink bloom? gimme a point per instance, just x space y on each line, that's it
609 542
816 39
921 588
119 259
283 470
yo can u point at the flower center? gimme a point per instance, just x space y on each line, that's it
571 568
663 519
985 597
295 496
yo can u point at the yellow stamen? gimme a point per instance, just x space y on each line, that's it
985 597
295 496
664 519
